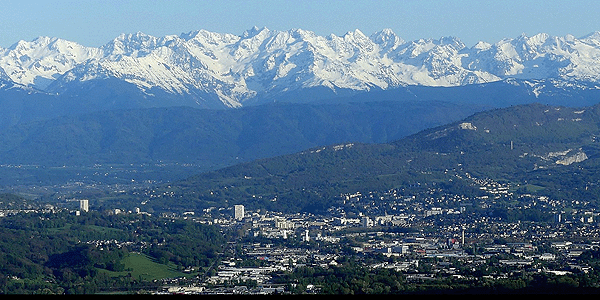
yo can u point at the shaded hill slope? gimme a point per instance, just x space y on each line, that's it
554 148
205 139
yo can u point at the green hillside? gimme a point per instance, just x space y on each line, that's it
553 149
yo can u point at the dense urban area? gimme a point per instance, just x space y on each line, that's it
503 241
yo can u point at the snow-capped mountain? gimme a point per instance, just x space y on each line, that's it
234 70
41 61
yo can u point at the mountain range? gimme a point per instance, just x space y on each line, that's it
203 100
216 70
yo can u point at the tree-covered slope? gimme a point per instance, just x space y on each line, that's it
553 147
215 138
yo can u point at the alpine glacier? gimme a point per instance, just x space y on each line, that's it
236 69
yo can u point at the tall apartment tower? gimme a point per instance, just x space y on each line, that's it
238 212
83 205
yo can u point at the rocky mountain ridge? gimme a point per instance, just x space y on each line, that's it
224 70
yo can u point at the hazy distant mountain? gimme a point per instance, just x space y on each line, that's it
211 139
217 70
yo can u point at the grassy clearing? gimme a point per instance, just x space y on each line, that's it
533 188
142 266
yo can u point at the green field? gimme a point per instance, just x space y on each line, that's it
533 188
143 267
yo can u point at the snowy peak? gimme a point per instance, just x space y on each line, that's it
260 62
41 61
138 44
538 57
592 39
387 40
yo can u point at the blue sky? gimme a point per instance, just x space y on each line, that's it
96 22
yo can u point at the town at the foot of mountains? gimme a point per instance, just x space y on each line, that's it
418 237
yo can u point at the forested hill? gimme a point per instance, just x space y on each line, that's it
526 145
205 139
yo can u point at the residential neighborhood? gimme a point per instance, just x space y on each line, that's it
424 237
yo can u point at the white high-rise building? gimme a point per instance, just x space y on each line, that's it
83 205
366 222
238 212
